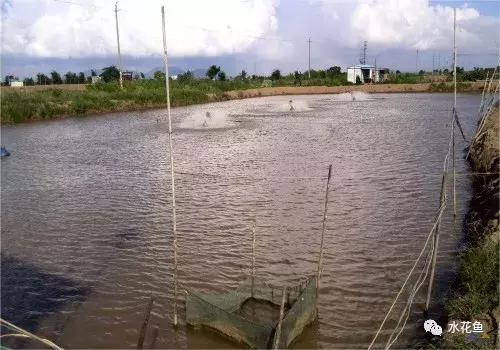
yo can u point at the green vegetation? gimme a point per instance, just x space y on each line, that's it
478 281
19 106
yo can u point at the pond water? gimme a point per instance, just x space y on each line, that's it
86 215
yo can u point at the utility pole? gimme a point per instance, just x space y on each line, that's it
433 57
416 63
309 71
118 42
365 48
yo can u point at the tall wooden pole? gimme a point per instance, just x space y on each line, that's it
118 42
454 106
436 243
172 176
253 258
325 212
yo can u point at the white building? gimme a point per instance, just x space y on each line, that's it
16 83
366 73
96 79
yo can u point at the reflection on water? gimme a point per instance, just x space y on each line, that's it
87 200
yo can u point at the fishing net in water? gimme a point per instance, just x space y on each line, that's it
250 314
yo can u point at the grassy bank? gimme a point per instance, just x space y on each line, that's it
19 106
476 294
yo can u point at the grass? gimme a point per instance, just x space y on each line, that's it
478 281
19 106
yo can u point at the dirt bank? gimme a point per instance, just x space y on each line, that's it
30 88
375 88
476 294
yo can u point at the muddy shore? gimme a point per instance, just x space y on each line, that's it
477 287
369 88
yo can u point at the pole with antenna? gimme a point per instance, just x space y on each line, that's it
172 177
118 44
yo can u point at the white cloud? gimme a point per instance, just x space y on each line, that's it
409 24
86 28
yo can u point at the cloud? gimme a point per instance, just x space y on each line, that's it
409 24
86 28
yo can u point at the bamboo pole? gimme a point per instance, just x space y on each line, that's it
454 106
453 163
172 176
436 241
144 326
325 212
253 258
277 335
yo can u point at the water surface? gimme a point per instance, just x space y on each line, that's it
86 230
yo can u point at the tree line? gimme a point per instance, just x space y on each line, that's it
333 74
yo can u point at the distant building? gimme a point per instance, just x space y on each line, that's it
367 74
127 75
96 79
174 77
16 83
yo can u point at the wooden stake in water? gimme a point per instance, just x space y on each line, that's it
172 174
144 326
320 260
253 257
277 335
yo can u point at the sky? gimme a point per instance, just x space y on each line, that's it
255 35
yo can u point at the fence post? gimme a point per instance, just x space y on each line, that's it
277 335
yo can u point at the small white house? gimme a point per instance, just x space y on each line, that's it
16 83
96 79
366 73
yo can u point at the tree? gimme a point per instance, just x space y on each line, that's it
297 77
398 72
243 74
42 79
56 77
93 73
185 77
221 76
29 81
276 74
81 78
70 78
142 75
159 75
333 71
8 78
110 73
421 72
212 71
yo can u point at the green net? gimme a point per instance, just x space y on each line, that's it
250 314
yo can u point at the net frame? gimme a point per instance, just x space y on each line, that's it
220 312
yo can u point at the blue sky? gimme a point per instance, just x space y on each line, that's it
261 35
